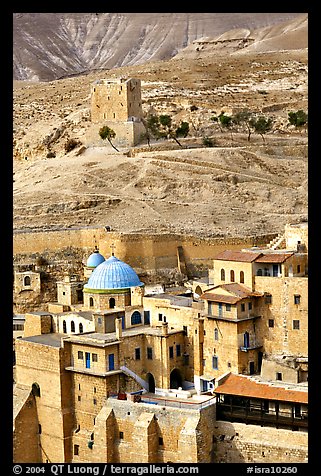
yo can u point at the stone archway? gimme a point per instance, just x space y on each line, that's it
151 383
176 380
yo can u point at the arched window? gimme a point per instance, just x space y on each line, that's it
215 334
72 325
112 303
35 389
232 274
81 328
222 274
64 325
259 272
91 302
241 276
136 318
27 281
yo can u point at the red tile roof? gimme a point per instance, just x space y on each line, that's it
273 258
238 292
245 256
221 298
246 387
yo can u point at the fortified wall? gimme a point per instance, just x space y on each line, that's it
146 253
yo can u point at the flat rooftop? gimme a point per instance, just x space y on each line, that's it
52 340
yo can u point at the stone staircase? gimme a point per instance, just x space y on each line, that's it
277 242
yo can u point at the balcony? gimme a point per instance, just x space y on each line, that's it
232 319
253 346
254 416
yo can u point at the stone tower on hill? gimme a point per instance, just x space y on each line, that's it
116 103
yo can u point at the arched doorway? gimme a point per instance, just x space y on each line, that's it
175 379
198 291
151 383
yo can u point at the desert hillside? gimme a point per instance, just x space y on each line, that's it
47 46
235 188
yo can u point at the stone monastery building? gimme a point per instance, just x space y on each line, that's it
113 374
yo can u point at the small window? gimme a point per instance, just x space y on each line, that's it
215 362
268 298
81 328
242 307
149 353
136 318
259 272
72 326
94 401
160 441
95 358
186 359
296 324
171 352
160 317
80 355
91 302
250 306
95 390
215 334
222 275
64 325
185 330
241 276
121 435
271 322
297 299
137 353
278 375
39 429
27 281
232 276
79 386
79 398
228 307
178 350
63 293
76 450
298 269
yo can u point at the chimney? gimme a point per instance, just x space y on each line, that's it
164 328
118 328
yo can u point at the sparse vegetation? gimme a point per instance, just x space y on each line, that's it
106 132
298 118
71 144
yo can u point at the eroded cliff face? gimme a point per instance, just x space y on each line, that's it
47 46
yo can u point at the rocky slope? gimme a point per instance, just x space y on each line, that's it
236 188
47 46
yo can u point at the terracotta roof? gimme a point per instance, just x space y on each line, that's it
245 256
221 298
273 258
246 387
240 292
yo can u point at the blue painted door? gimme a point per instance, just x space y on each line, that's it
87 360
111 362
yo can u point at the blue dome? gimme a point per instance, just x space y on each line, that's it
112 274
95 259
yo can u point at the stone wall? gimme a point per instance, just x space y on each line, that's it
145 252
240 443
